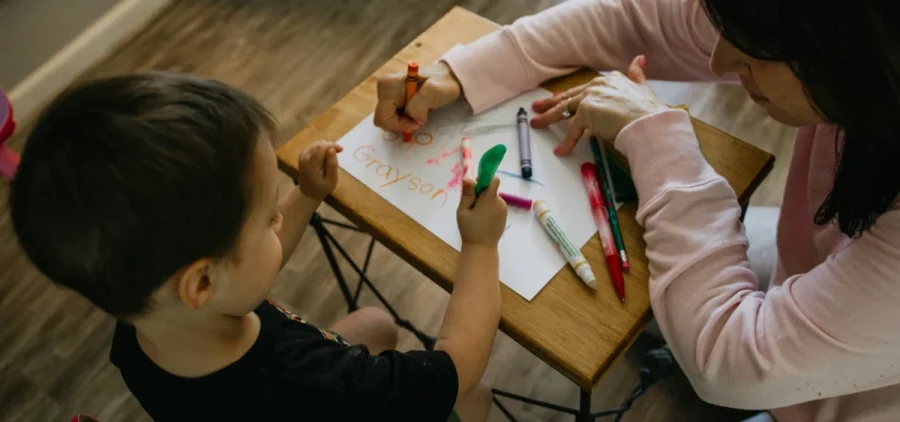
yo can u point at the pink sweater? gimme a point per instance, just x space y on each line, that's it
823 343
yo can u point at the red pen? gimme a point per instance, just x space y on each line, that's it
598 208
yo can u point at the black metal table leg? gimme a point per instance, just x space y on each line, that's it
322 233
328 242
584 407
535 402
359 283
509 416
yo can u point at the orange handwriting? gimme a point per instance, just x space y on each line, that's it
393 175
419 138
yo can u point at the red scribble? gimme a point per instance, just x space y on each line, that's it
442 155
456 182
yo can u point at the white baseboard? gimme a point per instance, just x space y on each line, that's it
91 45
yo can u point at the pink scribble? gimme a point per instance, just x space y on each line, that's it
442 155
456 182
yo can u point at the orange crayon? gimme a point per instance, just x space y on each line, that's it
412 84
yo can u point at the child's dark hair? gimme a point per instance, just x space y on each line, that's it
126 180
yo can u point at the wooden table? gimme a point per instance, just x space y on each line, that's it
578 333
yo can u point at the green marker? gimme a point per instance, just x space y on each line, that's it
603 165
488 166
621 180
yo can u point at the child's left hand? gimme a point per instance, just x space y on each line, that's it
318 167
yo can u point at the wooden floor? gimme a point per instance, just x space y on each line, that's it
298 57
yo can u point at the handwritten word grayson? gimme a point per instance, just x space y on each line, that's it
393 176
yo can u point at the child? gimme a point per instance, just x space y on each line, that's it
155 197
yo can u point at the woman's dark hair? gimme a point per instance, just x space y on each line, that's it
126 180
847 55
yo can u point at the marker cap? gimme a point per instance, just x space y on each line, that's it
587 275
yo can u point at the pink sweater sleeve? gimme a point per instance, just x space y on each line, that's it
829 332
675 35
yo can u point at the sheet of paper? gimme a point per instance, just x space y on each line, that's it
423 179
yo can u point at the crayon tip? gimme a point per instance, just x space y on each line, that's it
407 136
622 299
521 112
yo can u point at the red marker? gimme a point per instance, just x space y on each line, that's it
516 201
598 207
412 84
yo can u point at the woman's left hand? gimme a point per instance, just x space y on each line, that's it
601 107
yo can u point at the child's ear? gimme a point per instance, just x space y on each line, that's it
195 286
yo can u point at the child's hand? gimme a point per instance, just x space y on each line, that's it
484 223
318 167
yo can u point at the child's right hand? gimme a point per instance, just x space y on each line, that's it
484 223
437 88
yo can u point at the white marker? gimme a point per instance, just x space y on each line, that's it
573 255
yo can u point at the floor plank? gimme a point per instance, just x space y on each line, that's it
298 57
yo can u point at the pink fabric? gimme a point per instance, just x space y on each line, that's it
823 343
9 160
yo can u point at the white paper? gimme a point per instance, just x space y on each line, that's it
422 178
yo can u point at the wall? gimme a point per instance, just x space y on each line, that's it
32 31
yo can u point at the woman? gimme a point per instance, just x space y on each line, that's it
823 343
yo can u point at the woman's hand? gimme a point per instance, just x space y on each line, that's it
437 88
601 107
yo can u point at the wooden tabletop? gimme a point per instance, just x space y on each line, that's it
577 332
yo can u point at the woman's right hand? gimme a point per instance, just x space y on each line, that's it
437 88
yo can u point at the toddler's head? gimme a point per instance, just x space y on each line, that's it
152 192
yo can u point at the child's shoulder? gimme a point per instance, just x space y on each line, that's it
271 306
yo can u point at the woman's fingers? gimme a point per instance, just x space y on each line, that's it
636 70
391 98
577 128
388 118
555 114
430 96
542 106
394 113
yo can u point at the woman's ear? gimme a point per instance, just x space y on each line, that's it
195 285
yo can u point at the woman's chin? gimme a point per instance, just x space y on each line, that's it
781 116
